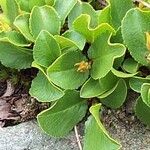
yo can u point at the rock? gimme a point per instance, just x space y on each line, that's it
28 136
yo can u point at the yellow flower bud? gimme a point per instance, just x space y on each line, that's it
83 66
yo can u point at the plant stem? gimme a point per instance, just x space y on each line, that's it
77 137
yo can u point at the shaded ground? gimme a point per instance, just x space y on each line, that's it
123 125
19 107
15 103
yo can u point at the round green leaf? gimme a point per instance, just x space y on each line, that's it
118 11
58 120
63 71
10 9
63 8
96 136
121 74
94 88
46 50
15 57
130 65
142 111
134 27
145 93
24 5
103 53
83 8
82 25
44 90
76 38
22 24
16 38
91 88
71 39
117 97
137 82
44 18
33 3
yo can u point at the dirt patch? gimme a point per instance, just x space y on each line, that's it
3 86
16 105
123 125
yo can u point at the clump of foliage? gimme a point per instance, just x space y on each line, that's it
86 58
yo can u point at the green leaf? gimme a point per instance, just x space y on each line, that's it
121 74
145 93
134 33
11 9
15 57
104 16
103 53
39 67
2 35
117 37
16 38
65 43
44 18
142 111
107 93
71 39
63 8
76 38
82 25
130 65
24 5
91 88
118 11
46 50
33 3
63 70
117 97
44 90
83 8
94 88
58 120
137 82
22 24
114 13
96 136
50 2
118 62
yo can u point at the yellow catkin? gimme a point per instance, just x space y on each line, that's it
83 66
148 41
4 24
141 5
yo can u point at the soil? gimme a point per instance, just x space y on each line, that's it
3 86
16 105
123 125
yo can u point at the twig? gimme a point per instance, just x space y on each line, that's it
102 2
143 2
77 137
10 89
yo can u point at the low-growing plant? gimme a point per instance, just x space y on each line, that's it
87 58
